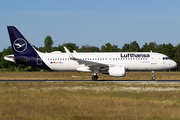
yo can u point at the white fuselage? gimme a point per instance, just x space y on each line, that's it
140 61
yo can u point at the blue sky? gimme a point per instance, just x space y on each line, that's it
92 22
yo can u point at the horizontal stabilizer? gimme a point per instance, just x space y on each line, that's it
11 58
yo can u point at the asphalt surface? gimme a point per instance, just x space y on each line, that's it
90 81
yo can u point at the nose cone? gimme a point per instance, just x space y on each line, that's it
173 64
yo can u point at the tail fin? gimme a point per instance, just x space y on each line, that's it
19 43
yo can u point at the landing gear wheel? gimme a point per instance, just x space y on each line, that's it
94 77
154 78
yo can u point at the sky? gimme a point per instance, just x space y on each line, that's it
92 22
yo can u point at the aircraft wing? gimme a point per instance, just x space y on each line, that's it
90 64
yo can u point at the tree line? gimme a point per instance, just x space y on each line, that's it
168 49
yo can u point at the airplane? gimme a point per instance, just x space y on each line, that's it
115 64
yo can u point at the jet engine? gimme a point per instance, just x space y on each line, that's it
117 71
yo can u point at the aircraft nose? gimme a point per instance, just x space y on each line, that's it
173 64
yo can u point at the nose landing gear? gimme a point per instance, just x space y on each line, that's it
153 76
95 77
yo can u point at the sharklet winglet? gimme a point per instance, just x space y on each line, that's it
68 52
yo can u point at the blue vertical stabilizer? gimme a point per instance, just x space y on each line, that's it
24 52
19 43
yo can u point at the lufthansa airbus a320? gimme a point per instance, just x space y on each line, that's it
112 63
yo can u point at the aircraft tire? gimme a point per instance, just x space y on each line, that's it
94 77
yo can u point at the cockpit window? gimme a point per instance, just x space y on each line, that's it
166 58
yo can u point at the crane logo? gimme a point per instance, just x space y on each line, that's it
19 45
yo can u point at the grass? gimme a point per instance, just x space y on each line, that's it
89 100
85 76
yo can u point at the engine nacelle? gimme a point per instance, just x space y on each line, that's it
83 69
117 71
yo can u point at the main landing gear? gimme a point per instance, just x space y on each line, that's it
95 77
153 76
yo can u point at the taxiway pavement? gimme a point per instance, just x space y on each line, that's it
116 81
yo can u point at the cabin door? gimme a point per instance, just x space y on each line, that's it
39 60
154 59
